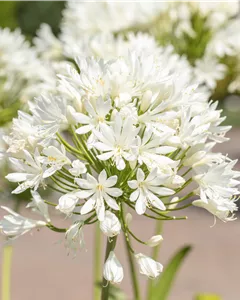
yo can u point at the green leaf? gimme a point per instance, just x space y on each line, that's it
207 297
8 14
163 286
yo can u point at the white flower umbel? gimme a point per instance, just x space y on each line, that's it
112 270
99 191
110 226
128 135
148 266
14 225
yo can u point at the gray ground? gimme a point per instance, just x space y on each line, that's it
42 269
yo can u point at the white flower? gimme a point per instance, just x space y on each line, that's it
77 168
146 190
96 115
14 225
39 205
110 226
30 172
148 266
55 159
219 181
117 141
47 45
208 70
154 241
112 270
97 191
50 113
149 152
222 208
67 203
74 238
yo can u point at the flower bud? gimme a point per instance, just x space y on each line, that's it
67 203
148 266
154 240
113 271
174 205
77 168
110 226
146 100
128 219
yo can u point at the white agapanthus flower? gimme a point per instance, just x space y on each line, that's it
98 191
74 238
54 158
208 70
148 190
14 225
112 270
39 205
129 135
30 172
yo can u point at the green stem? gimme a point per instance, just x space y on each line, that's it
155 252
130 252
6 271
97 263
105 284
132 271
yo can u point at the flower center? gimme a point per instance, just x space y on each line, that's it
100 187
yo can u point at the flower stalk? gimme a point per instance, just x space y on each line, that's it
111 243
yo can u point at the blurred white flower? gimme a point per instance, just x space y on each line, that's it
14 225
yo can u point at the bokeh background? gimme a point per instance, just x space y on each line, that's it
43 270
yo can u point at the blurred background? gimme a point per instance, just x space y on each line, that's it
43 270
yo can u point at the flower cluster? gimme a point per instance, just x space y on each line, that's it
130 134
212 26
22 75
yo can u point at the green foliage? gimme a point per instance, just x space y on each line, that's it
8 14
32 13
163 286
28 15
207 297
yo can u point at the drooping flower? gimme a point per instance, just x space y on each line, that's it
74 239
14 225
112 270
148 266
110 226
